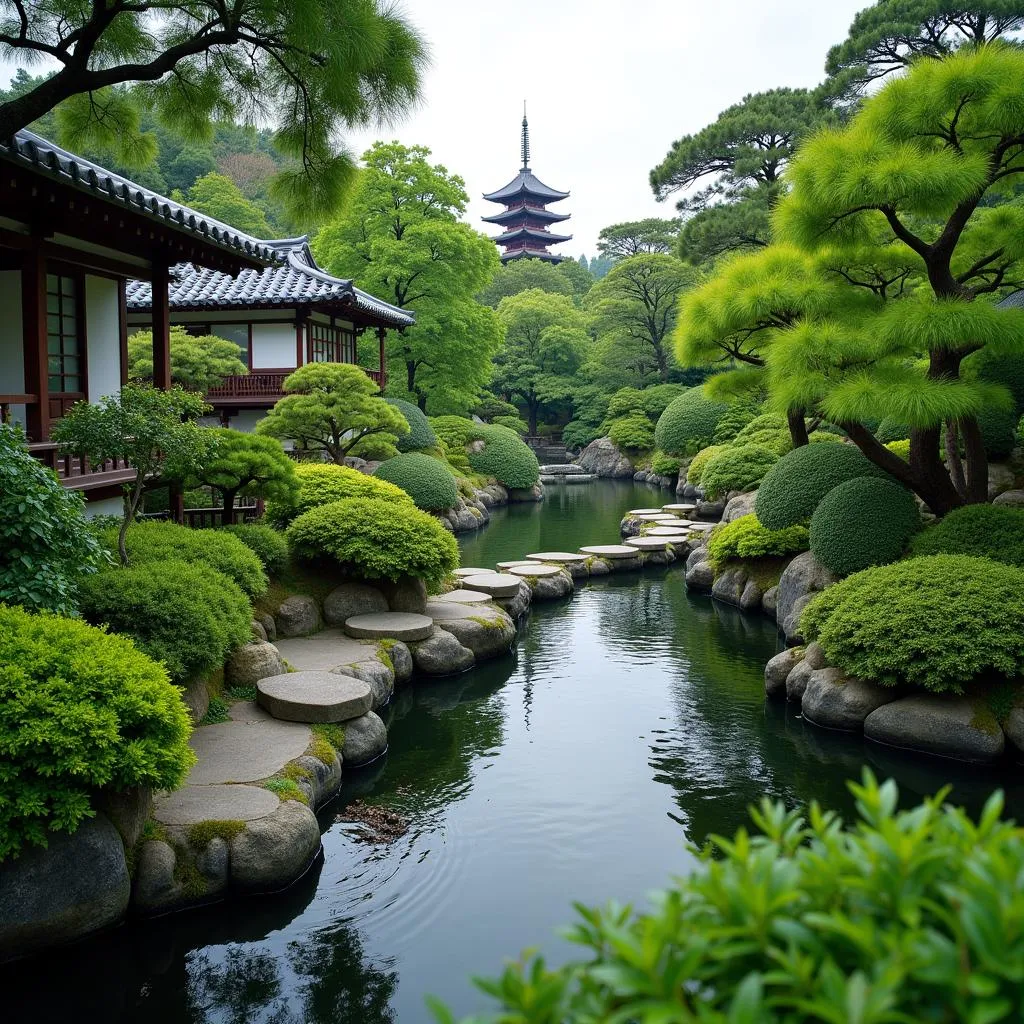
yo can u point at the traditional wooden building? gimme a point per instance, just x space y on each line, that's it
281 317
72 234
525 221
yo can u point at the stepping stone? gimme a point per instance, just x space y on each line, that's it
315 696
701 526
215 803
648 517
612 551
644 512
683 507
442 611
557 557
495 584
647 543
470 571
536 569
669 521
505 566
244 751
465 596
390 626
666 531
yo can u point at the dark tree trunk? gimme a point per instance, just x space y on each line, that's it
410 377
951 437
797 428
532 408
228 508
977 462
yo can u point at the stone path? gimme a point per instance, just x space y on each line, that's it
314 696
390 626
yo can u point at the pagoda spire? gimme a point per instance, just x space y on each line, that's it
526 140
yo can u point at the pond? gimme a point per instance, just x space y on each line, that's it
628 723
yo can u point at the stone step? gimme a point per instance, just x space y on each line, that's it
564 469
538 570
470 595
645 512
647 543
682 507
505 566
556 557
469 571
495 584
315 696
389 626
666 531
612 551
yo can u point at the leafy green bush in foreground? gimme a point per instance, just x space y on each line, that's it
265 542
990 531
79 710
904 916
747 538
505 456
737 467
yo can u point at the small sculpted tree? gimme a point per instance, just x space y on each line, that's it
153 431
250 464
332 407
197 363
631 238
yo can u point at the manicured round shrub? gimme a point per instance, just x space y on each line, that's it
664 465
938 622
989 531
505 456
700 460
155 541
625 402
739 468
998 430
373 539
521 427
732 422
321 483
771 422
265 542
79 710
863 522
421 435
423 478
455 431
688 423
892 430
656 399
900 448
793 487
188 616
632 433
747 538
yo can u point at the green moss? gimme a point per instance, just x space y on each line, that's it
329 733
322 751
296 772
383 647
242 693
153 830
216 712
286 789
493 624
199 835
188 875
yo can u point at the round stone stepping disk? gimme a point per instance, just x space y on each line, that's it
505 566
701 526
647 543
648 517
441 611
215 803
469 571
464 596
315 696
389 626
666 531
644 512
679 507
495 584
557 557
609 551
538 569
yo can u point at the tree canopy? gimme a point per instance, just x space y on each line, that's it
521 275
198 363
218 196
630 238
310 70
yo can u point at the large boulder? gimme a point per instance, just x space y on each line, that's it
741 505
488 634
406 594
516 606
127 809
156 889
551 588
366 738
441 654
602 458
1001 478
699 576
798 678
1013 729
950 726
1014 498
734 586
298 615
401 661
800 581
709 510
526 494
380 678
253 662
350 599
77 885
271 852
778 669
835 702
769 601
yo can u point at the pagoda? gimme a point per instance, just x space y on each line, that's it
526 219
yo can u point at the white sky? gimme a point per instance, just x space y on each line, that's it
609 85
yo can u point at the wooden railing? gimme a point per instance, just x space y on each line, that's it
7 402
263 387
76 471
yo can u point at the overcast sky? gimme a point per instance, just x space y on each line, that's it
609 85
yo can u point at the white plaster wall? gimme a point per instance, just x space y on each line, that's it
246 419
103 339
104 507
12 346
273 346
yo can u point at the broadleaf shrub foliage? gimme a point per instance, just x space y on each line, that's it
736 468
425 479
989 531
938 622
745 537
700 460
79 709
664 465
632 433
900 916
373 539
265 542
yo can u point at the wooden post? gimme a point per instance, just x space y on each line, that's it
33 320
381 337
161 280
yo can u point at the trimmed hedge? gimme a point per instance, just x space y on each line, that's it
938 623
863 522
664 465
732 422
79 709
793 487
736 468
425 479
747 538
373 539
265 542
155 541
688 423
188 616
989 531
700 460
455 431
505 456
421 435
321 483
657 398
632 433
520 426
892 430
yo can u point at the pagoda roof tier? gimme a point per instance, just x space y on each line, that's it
515 212
526 183
534 234
531 254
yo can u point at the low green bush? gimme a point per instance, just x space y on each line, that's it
632 433
455 431
989 531
700 460
688 423
421 434
793 487
900 448
732 422
625 402
664 465
46 546
520 426
939 622
321 483
79 710
504 456
426 480
898 916
268 544
766 421
863 522
188 616
578 434
1006 368
747 538
998 430
373 539
892 430
155 541
736 468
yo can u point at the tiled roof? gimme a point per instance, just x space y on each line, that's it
1015 300
297 280
535 234
516 213
31 150
531 254
525 182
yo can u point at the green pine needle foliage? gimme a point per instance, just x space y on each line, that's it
738 467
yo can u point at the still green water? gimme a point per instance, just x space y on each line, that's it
629 722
